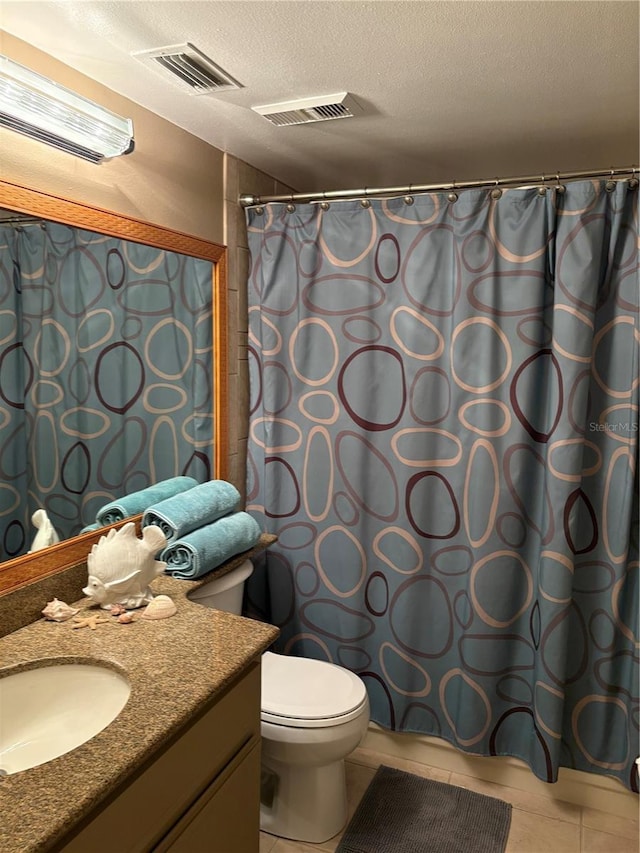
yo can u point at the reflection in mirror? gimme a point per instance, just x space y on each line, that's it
105 375
107 369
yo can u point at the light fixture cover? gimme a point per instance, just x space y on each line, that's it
41 109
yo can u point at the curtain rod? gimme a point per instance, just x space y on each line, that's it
23 220
247 200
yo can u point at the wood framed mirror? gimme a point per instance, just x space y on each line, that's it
24 201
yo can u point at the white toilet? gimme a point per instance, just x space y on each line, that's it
314 713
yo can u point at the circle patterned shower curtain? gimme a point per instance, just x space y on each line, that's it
444 437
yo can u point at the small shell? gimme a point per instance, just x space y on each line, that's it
116 609
58 611
160 608
125 618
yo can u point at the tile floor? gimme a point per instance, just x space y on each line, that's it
538 824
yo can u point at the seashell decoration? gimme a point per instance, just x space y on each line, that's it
121 567
58 611
89 621
160 608
125 618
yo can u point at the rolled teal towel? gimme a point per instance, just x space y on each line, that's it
90 527
201 505
136 502
208 547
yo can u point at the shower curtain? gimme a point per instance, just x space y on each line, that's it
105 374
444 437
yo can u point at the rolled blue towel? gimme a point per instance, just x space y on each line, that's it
90 527
208 547
136 502
201 505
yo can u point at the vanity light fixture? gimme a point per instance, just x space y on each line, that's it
43 110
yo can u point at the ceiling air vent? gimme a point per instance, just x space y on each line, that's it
324 108
190 68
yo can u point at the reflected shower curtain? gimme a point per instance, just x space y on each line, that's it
105 374
444 437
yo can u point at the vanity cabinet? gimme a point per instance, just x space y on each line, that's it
217 821
200 795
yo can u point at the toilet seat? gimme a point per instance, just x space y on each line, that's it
307 693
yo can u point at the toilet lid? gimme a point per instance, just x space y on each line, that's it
301 691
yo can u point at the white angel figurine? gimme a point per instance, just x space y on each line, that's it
47 534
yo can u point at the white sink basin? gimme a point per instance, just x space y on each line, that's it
50 710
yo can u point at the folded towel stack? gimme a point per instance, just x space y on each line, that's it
201 505
137 502
204 549
202 528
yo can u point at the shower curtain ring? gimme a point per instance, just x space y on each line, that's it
559 187
291 206
611 184
633 181
453 195
496 192
408 199
364 202
543 189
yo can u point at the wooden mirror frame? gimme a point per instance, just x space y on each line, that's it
23 570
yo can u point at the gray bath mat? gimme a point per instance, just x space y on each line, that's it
403 813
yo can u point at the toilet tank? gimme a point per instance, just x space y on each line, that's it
224 593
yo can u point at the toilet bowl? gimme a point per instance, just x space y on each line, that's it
313 714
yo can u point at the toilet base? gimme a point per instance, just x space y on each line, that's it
306 803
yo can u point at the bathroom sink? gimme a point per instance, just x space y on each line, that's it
47 711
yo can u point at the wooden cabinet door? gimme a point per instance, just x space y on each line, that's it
226 818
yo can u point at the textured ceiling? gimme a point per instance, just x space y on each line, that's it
450 90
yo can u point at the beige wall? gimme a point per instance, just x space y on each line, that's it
172 178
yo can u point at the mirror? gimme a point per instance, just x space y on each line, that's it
164 272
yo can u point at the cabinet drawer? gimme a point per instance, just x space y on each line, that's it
226 818
147 808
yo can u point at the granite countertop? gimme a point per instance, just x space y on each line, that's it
175 666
